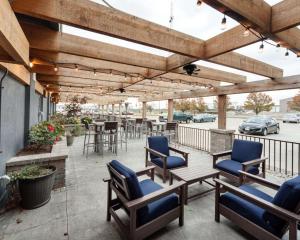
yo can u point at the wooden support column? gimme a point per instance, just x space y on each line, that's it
170 110
144 110
113 109
120 114
222 111
102 109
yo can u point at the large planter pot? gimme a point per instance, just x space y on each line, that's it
70 140
36 192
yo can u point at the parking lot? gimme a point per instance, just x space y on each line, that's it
288 131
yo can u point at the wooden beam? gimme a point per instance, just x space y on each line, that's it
19 72
285 14
12 38
222 99
5 57
284 83
170 110
238 61
100 19
39 87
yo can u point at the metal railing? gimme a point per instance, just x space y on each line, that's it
194 137
283 156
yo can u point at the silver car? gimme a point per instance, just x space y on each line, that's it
291 118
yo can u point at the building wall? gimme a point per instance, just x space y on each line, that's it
284 107
16 117
12 119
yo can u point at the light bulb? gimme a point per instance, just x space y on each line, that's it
76 68
287 53
31 64
246 32
277 47
95 73
55 68
261 48
224 23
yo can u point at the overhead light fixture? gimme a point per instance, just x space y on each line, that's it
122 90
261 47
246 32
199 2
287 53
190 68
224 23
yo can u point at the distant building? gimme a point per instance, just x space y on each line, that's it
284 105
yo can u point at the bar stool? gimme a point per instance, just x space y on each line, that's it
139 126
90 138
171 131
110 136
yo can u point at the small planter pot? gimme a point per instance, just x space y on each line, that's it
70 140
36 192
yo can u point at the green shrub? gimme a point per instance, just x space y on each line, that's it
43 133
72 120
86 120
30 172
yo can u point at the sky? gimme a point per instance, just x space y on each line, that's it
202 22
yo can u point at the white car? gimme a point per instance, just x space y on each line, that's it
292 118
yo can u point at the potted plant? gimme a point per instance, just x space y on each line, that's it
70 138
35 184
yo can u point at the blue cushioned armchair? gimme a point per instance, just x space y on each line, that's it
244 156
258 213
149 206
159 151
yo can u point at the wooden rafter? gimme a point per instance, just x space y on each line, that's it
13 42
19 72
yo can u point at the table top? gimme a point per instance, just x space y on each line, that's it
159 123
99 123
193 173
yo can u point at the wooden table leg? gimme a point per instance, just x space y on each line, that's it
171 179
186 194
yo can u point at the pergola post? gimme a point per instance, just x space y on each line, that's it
120 114
102 109
107 109
222 111
113 109
144 110
170 110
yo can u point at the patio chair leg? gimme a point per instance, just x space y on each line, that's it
84 144
181 217
109 194
217 198
293 230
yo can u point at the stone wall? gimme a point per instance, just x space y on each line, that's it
221 140
57 158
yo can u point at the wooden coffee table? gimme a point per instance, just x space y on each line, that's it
192 175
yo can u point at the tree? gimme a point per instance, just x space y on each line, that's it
259 102
229 105
295 103
198 105
149 108
182 105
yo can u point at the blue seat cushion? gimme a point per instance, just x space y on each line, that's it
158 207
233 167
159 144
131 179
287 197
172 162
244 151
246 209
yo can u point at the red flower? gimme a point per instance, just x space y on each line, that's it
50 128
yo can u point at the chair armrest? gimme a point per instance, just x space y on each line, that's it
254 162
140 202
107 179
179 151
270 207
220 154
259 180
156 153
147 170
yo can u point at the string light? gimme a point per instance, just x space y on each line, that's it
246 32
31 64
287 53
261 47
76 68
277 47
55 68
224 23
95 73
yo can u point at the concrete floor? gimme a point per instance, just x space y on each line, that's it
78 211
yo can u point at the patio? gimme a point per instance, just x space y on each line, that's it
79 208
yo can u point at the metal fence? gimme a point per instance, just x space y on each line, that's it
283 156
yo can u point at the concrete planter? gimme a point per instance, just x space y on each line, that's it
36 192
70 140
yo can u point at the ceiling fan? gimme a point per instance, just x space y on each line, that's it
191 69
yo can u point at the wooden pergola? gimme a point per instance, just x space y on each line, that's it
31 42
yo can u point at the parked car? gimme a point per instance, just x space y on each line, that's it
182 117
292 118
259 125
204 118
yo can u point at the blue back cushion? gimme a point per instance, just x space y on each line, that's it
287 197
244 151
131 178
159 144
